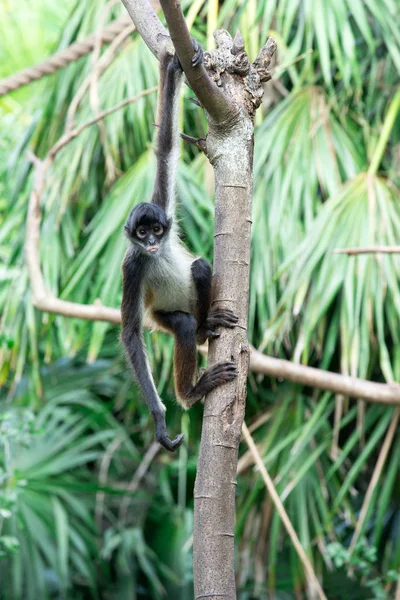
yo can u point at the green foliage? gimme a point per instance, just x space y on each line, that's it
72 429
362 563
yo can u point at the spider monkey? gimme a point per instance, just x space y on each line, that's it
160 276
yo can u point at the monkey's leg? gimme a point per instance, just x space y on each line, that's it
208 320
134 346
183 326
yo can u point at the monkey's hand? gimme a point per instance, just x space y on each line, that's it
197 57
215 318
162 436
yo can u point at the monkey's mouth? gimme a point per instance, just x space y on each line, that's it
153 249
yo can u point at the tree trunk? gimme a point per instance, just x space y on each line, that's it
214 496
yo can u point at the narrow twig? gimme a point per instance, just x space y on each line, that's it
198 142
369 250
70 135
311 576
141 471
103 63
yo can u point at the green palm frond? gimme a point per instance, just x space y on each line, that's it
365 288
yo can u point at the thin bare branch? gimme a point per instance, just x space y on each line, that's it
103 63
70 135
311 576
103 475
94 92
369 250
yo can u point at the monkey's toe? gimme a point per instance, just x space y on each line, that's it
211 335
226 314
222 318
222 373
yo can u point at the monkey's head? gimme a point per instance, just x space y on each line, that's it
147 228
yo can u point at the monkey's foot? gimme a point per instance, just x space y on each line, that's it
213 377
197 57
171 445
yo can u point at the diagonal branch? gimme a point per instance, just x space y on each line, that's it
148 25
156 36
311 576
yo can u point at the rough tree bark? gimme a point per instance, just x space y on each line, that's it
230 89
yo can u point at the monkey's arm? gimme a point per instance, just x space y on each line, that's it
171 77
208 320
132 338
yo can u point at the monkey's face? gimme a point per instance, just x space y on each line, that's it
147 227
149 237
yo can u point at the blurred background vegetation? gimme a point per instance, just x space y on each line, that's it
88 506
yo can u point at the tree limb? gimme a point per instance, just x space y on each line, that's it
148 25
353 387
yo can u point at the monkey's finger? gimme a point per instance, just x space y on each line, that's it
168 444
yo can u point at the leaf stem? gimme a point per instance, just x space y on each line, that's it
386 131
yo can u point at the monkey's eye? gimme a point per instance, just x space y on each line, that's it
141 232
157 229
